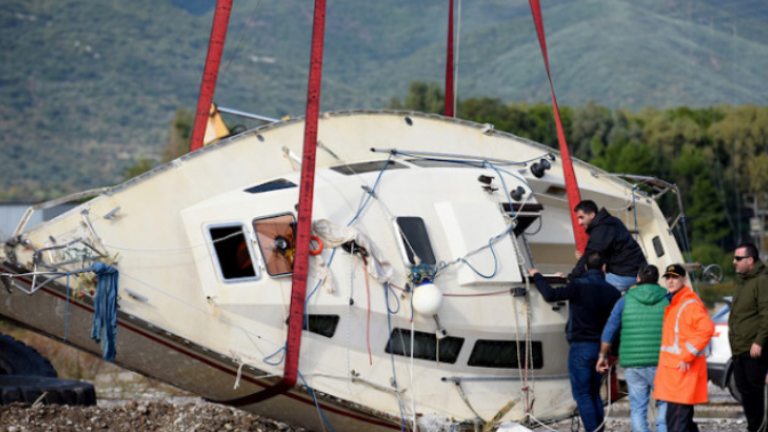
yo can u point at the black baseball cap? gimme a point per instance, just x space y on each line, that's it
674 270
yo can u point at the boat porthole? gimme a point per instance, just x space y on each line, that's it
408 121
260 137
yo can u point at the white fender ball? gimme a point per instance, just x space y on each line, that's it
427 299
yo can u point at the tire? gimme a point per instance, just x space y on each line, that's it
19 359
732 387
15 388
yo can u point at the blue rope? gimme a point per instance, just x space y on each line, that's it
266 359
66 313
392 357
312 393
495 263
388 287
368 198
104 327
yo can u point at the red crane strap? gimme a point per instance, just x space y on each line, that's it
304 220
211 73
571 185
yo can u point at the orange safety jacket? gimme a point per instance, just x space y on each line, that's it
687 330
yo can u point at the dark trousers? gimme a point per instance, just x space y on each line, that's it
749 374
585 383
680 418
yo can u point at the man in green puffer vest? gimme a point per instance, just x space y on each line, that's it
640 317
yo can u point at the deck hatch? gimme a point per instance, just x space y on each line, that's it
415 240
234 259
324 325
503 354
271 186
424 346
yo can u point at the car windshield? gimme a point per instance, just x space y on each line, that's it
721 316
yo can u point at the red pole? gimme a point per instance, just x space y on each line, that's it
304 223
449 66
211 73
571 185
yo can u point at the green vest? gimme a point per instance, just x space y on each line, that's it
641 324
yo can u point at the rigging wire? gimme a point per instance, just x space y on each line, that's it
242 35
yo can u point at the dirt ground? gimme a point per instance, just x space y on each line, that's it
195 415
134 416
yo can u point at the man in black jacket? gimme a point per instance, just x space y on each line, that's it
591 302
609 236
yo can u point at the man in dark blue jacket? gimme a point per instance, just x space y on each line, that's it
591 301
609 236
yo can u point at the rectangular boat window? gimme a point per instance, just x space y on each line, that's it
415 240
657 247
233 256
276 236
503 354
424 346
271 186
366 167
324 325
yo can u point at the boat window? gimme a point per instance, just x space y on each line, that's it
503 354
425 346
415 240
276 238
324 325
555 190
526 215
271 186
366 167
658 247
233 256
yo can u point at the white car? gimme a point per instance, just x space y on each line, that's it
719 363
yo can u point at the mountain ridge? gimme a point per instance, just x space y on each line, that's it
101 81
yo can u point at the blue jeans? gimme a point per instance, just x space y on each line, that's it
622 283
585 382
640 383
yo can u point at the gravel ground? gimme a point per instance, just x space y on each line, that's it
159 410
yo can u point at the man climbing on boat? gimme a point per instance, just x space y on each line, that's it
639 317
609 236
591 301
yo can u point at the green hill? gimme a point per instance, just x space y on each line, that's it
87 88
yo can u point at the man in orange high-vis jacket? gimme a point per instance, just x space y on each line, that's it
681 377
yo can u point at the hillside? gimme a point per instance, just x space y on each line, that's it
87 88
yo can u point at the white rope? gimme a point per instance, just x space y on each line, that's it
413 389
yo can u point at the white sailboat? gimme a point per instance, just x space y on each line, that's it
203 248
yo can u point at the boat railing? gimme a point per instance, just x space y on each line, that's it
53 203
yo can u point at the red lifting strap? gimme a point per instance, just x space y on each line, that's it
448 111
571 185
211 73
304 224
